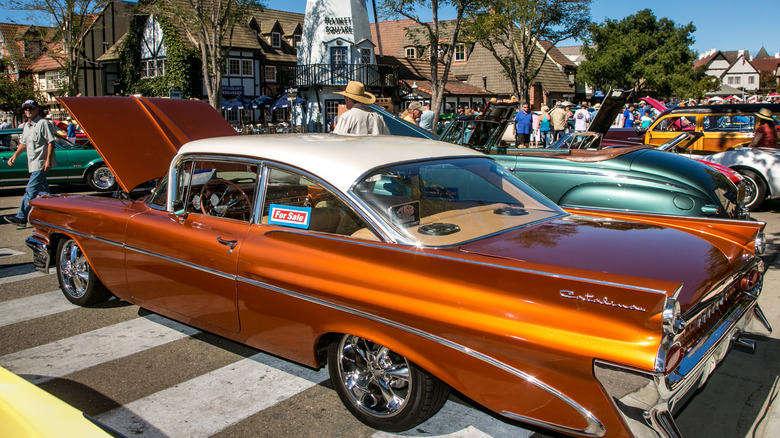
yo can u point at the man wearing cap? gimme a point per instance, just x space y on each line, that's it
37 140
766 134
414 112
359 120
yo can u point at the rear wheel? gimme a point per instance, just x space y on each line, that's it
101 179
382 388
77 280
755 191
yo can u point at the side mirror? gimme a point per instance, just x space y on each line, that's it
640 130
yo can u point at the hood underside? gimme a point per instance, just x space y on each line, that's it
138 136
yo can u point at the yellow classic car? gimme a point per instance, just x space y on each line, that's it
408 267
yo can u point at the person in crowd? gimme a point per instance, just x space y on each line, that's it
535 127
558 118
628 117
642 109
414 112
358 119
523 127
581 118
5 140
37 140
71 133
426 118
645 120
545 127
766 133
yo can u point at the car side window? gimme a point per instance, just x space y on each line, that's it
729 123
675 123
218 188
292 200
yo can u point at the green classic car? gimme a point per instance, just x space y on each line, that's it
76 163
580 171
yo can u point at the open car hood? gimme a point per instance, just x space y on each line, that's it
610 108
138 136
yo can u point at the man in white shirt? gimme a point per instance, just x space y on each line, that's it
581 118
359 120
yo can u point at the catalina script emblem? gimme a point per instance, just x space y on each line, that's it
603 301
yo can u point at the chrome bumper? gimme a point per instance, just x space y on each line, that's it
646 400
41 258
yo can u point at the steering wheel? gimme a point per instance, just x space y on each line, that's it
220 197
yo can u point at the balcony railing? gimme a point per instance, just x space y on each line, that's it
327 75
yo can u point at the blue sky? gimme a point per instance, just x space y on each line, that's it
721 25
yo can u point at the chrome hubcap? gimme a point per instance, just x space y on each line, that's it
103 177
376 378
74 270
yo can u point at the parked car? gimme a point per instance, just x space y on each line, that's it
30 412
585 170
723 126
75 163
409 267
760 168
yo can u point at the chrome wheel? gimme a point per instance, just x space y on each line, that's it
73 270
102 179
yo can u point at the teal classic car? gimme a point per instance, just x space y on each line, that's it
76 163
582 171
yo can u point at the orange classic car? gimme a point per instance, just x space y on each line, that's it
409 267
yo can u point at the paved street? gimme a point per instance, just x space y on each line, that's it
146 375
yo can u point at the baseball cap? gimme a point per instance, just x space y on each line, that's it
30 103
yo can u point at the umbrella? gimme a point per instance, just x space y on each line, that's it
233 104
284 103
262 101
774 95
716 99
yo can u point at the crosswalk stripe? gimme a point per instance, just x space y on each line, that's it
7 252
36 306
235 392
20 273
46 362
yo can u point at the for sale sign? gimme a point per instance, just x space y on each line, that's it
289 216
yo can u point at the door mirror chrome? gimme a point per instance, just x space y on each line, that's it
179 212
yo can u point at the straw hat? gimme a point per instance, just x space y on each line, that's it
357 92
764 113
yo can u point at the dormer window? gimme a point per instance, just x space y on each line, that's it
411 52
460 52
296 41
276 40
365 56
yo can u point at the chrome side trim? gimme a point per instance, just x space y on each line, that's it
595 428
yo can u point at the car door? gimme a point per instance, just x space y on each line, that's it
185 264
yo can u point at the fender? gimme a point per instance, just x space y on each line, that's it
632 198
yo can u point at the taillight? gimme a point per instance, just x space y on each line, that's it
751 280
673 358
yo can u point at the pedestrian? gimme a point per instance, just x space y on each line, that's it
628 117
766 134
523 127
426 118
5 141
558 117
37 140
581 118
545 127
71 130
535 136
414 112
642 109
358 119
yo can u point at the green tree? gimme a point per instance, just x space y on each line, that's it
651 56
429 34
208 24
71 18
14 92
512 30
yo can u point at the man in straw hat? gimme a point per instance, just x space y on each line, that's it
766 134
359 120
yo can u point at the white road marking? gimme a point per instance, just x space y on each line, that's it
36 306
234 393
21 272
7 252
57 359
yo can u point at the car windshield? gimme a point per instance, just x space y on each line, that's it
471 132
449 202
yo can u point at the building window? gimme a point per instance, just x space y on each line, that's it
270 73
239 67
151 68
297 41
751 80
55 79
276 39
153 51
460 52
411 52
365 56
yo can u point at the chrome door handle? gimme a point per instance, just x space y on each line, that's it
229 243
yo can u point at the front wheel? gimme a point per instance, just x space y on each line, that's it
101 179
77 280
381 388
755 191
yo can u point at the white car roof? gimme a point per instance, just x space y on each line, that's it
338 160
